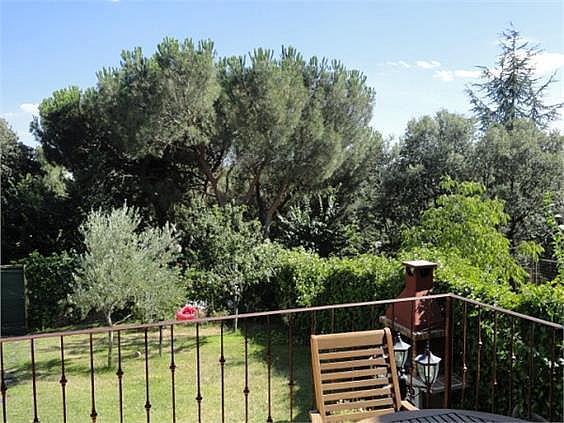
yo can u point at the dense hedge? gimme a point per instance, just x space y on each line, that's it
304 279
49 281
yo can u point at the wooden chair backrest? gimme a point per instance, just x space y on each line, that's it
354 375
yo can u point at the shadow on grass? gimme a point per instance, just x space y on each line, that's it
261 336
76 353
303 325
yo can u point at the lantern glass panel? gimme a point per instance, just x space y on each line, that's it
428 367
401 349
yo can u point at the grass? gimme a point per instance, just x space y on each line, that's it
77 368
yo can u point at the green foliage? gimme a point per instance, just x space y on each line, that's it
465 224
458 274
520 167
317 222
293 124
126 267
543 300
305 279
225 253
557 237
132 137
156 129
409 181
300 278
34 207
511 91
529 251
49 282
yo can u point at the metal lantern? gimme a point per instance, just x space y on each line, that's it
401 349
428 366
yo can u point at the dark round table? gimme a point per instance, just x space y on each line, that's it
440 415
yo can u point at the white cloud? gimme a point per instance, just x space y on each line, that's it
444 75
424 64
399 63
30 108
462 73
450 75
546 63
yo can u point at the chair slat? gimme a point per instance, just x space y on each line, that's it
376 371
364 393
355 405
354 384
353 364
351 353
350 339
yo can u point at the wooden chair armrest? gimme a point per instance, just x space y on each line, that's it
406 405
315 417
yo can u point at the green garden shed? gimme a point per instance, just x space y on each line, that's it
13 303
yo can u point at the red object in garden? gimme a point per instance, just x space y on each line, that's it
187 313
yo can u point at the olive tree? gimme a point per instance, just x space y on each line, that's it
126 267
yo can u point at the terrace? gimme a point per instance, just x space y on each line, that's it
493 360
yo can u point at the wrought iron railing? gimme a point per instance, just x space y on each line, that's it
494 360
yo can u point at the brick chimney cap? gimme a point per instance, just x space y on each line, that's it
419 264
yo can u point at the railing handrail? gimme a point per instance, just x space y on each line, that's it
133 326
510 312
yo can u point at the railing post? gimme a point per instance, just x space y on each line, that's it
4 388
199 393
222 369
246 388
291 366
93 413
172 368
63 381
448 352
479 344
269 367
147 398
119 374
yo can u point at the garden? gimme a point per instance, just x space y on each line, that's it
239 185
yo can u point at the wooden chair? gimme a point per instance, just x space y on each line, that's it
355 376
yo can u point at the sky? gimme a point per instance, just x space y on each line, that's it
417 55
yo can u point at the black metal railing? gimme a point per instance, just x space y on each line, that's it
494 360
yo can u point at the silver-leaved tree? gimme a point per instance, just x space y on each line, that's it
127 267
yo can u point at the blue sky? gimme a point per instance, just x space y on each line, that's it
418 55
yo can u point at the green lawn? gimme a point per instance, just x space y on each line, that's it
19 395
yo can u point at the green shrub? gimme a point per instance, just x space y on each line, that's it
467 224
125 267
362 278
226 256
303 279
300 278
49 281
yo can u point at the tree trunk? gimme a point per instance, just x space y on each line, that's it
208 173
110 339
